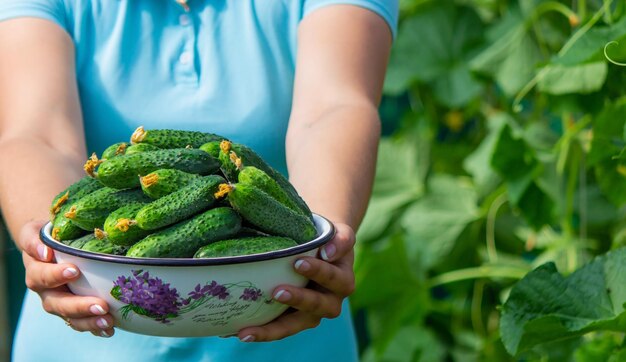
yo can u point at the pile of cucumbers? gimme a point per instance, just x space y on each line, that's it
180 194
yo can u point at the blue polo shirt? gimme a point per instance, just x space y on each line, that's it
226 67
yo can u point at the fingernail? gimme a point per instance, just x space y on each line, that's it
42 250
104 334
97 310
328 251
102 323
70 273
302 265
282 295
248 338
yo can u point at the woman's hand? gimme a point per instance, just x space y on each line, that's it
332 280
48 279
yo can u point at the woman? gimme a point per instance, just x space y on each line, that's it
298 81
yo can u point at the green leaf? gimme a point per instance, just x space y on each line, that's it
608 127
397 183
477 165
435 221
585 78
545 306
409 344
512 55
432 46
611 176
600 348
512 158
536 206
374 287
457 86
591 45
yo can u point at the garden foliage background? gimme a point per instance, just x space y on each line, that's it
504 124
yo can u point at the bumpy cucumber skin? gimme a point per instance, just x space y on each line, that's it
122 172
212 148
78 243
92 210
134 232
141 147
169 138
253 176
269 215
244 246
169 180
63 228
251 158
78 189
182 240
179 205
228 167
104 246
114 150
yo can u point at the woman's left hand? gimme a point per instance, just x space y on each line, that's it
332 279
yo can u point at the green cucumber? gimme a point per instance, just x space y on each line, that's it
267 214
62 228
141 147
212 148
250 175
180 204
122 172
182 240
165 181
120 228
169 138
91 211
244 246
78 243
75 191
240 156
114 150
104 246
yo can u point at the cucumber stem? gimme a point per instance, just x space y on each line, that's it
124 224
138 135
223 190
225 146
91 164
99 234
236 160
55 233
121 149
71 213
149 180
57 205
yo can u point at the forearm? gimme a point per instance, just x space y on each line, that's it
332 158
31 174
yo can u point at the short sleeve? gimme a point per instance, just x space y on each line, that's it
387 9
53 10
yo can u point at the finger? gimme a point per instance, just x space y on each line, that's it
321 304
95 325
29 242
41 276
339 280
104 333
283 326
340 245
67 305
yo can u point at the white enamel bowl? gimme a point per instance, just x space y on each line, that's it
184 297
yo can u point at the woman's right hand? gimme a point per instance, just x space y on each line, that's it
49 279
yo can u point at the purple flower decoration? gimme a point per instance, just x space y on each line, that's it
147 296
209 290
251 294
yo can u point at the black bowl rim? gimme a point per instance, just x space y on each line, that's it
302 248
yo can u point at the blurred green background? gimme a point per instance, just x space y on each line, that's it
502 122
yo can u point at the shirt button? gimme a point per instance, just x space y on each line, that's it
185 58
184 20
